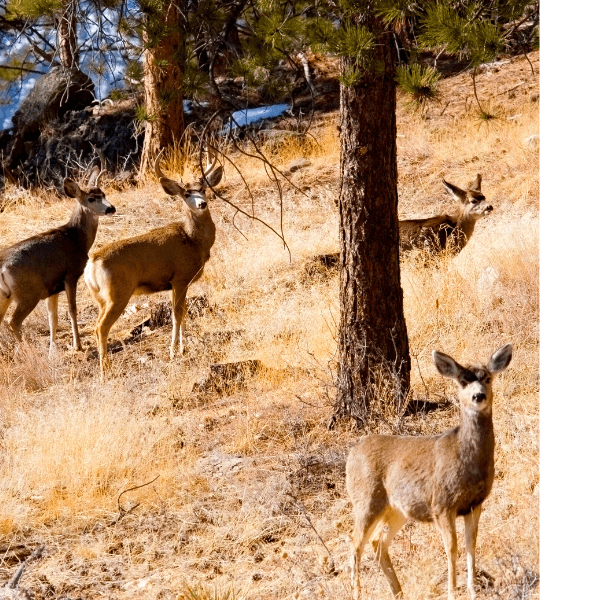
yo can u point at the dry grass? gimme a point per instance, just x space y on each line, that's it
245 475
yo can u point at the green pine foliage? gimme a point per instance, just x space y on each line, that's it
473 30
33 8
393 12
419 81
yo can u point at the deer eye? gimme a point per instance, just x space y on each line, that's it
92 199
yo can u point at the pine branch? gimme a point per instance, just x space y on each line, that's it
25 69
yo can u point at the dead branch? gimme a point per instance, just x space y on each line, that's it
122 511
14 581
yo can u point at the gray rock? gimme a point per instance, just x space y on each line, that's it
532 142
53 94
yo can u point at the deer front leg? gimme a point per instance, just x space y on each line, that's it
71 290
52 307
471 525
178 295
446 523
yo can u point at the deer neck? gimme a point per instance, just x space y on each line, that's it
476 438
465 224
85 223
199 226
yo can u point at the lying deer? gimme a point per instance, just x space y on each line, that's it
44 265
391 479
447 231
167 258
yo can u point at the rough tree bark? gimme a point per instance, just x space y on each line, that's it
372 342
66 29
163 81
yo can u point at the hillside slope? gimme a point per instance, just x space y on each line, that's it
163 477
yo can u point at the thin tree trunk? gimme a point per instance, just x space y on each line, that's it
372 343
163 82
66 29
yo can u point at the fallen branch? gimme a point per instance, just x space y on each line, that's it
122 511
14 581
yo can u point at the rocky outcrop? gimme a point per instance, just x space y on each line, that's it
63 146
53 94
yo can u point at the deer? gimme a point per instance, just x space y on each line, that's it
171 257
42 266
392 478
447 231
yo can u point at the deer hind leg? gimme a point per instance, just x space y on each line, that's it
4 304
446 523
381 543
367 518
112 311
471 526
71 290
178 295
52 308
24 306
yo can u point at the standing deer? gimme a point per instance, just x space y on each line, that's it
167 258
447 231
391 478
44 265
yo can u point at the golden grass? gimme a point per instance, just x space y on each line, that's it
244 476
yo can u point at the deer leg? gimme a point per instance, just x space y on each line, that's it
381 545
23 308
471 525
365 522
52 308
178 295
113 310
71 290
446 523
4 304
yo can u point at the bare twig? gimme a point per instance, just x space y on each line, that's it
14 581
123 512
237 208
300 505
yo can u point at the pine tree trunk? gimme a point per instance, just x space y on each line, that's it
66 30
163 82
372 343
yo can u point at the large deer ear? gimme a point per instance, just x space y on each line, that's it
455 191
446 365
93 181
171 187
71 188
476 185
500 359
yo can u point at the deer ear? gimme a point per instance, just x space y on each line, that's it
500 359
214 177
446 365
476 185
171 187
71 188
455 191
94 177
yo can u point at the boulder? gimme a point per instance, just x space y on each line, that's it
53 94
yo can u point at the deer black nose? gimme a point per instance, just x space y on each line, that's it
480 397
203 205
111 210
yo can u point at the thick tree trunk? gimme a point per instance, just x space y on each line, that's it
373 343
163 79
66 30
